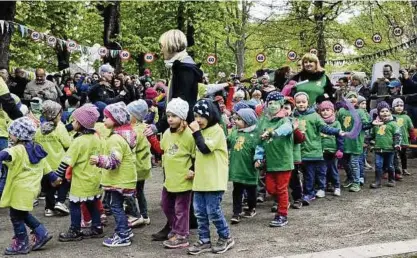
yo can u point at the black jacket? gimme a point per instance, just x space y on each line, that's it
9 106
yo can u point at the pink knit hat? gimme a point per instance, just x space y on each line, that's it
150 93
326 104
86 115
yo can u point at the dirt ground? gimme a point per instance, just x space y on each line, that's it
367 217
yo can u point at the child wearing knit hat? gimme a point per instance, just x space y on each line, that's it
332 146
178 161
119 174
407 134
242 143
387 138
85 178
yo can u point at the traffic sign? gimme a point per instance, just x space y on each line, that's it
377 38
149 57
337 48
102 51
292 55
314 51
398 31
71 45
260 58
124 55
51 41
35 35
211 59
359 43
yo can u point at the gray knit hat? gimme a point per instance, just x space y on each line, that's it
138 109
178 107
361 99
248 115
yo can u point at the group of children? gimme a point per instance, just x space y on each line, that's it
294 144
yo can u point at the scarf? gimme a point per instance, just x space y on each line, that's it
330 119
178 56
47 127
127 132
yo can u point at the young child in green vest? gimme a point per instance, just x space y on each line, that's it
387 138
55 140
353 148
210 179
26 165
362 104
178 162
242 143
85 178
332 146
119 177
312 125
407 134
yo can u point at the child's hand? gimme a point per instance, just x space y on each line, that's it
295 124
190 175
265 135
377 122
258 164
339 154
93 160
194 126
341 133
57 182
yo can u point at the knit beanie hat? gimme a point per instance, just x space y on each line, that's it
326 105
138 109
150 93
248 115
23 129
178 107
86 115
361 99
382 105
350 94
118 113
100 108
275 95
50 110
397 102
301 93
241 104
209 110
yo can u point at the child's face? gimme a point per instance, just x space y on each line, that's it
384 113
256 95
173 120
202 121
273 107
399 108
326 112
240 124
301 103
362 105
288 109
353 99
394 90
13 139
76 125
108 123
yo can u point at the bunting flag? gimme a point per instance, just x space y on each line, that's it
2 26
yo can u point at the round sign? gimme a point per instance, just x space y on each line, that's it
149 57
102 51
211 59
260 58
398 31
124 55
314 51
71 45
359 43
337 48
377 38
35 35
292 55
51 41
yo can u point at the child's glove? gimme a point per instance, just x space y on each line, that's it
339 154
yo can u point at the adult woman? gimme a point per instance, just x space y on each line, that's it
120 91
314 81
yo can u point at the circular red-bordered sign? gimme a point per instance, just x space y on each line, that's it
124 55
260 58
71 45
337 48
51 41
292 55
36 36
149 57
211 59
102 51
377 38
359 43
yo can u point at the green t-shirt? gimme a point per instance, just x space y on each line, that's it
142 152
278 150
384 136
405 124
85 180
55 143
310 125
352 146
179 152
212 170
313 89
124 176
242 147
23 182
329 141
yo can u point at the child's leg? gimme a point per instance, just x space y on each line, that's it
50 192
140 195
354 167
379 166
63 191
100 206
333 173
237 198
94 212
346 166
39 232
389 165
215 213
168 206
309 168
201 212
131 206
261 186
271 184
20 245
397 163
362 168
296 183
251 193
119 214
403 157
321 170
85 213
181 224
106 202
75 212
282 180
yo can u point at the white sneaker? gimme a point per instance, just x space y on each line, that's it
336 192
147 221
133 221
62 208
49 213
320 194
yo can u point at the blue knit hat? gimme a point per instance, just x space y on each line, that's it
241 104
382 105
275 95
138 109
248 115
23 129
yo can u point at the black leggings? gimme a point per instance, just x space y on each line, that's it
238 189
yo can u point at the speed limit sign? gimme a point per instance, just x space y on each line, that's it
314 51
211 59
71 45
35 35
260 58
149 57
292 55
124 55
377 38
398 31
102 51
337 48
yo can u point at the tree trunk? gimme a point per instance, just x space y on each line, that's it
63 56
320 26
240 55
180 16
111 16
7 13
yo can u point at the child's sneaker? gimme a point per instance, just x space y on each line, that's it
94 232
336 192
70 235
86 224
62 208
355 188
223 245
40 237
49 213
307 199
260 199
298 204
274 207
406 173
320 194
116 241
134 222
249 214
390 183
398 177
235 219
348 183
279 221
176 242
146 220
18 246
199 247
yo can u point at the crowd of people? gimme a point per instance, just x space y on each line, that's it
94 139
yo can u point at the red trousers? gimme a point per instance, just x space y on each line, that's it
86 214
277 186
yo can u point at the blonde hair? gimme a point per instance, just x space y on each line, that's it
173 41
358 77
312 58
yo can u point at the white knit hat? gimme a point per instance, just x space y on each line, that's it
178 107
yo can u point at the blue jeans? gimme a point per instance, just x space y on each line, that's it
352 167
75 211
384 161
19 219
362 160
116 205
332 174
207 207
4 143
314 170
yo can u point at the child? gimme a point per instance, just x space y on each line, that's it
332 146
120 177
72 103
407 133
26 166
55 140
210 180
85 178
362 104
387 139
242 143
311 124
179 152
